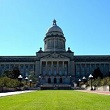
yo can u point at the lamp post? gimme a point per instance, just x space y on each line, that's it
79 82
26 78
109 80
30 82
20 78
91 77
39 80
84 79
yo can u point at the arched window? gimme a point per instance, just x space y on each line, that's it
49 80
60 80
55 80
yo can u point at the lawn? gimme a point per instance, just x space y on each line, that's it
55 100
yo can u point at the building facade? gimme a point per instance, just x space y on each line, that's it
56 66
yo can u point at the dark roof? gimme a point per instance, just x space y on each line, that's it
92 58
17 58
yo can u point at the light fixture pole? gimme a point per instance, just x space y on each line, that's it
20 78
39 79
91 77
79 82
109 81
84 79
26 78
30 82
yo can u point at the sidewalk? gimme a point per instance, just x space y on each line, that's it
96 92
13 93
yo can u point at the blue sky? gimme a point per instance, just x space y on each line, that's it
24 23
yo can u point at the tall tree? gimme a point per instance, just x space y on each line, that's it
15 72
12 74
97 73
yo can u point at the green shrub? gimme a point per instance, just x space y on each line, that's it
8 82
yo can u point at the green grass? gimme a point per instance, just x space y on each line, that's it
55 100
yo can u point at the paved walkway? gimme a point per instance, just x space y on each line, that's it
13 93
20 92
96 92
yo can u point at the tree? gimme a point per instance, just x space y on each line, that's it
97 73
11 74
33 77
104 81
97 82
7 73
15 72
8 82
108 82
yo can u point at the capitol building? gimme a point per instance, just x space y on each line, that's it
54 65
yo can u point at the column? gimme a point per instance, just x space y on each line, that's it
80 70
90 69
109 66
9 67
68 68
105 69
40 67
52 67
57 67
63 69
46 68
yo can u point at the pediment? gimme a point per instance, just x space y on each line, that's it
54 55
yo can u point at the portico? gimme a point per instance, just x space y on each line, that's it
55 68
55 71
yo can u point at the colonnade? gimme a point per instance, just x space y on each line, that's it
54 68
84 69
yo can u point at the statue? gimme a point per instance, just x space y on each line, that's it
54 22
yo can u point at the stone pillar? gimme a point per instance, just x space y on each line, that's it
40 67
57 67
90 69
9 66
52 67
86 69
109 66
80 70
63 68
46 67
68 67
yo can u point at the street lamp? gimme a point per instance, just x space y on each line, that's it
20 78
26 78
30 82
109 80
91 77
79 82
84 79
39 79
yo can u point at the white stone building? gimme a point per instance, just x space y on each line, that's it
56 66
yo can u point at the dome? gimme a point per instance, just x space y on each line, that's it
54 30
54 40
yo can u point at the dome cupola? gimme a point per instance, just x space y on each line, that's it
54 30
54 40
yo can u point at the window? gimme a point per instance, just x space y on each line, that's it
60 72
65 72
54 72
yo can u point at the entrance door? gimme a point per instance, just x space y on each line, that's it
49 80
55 80
60 80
